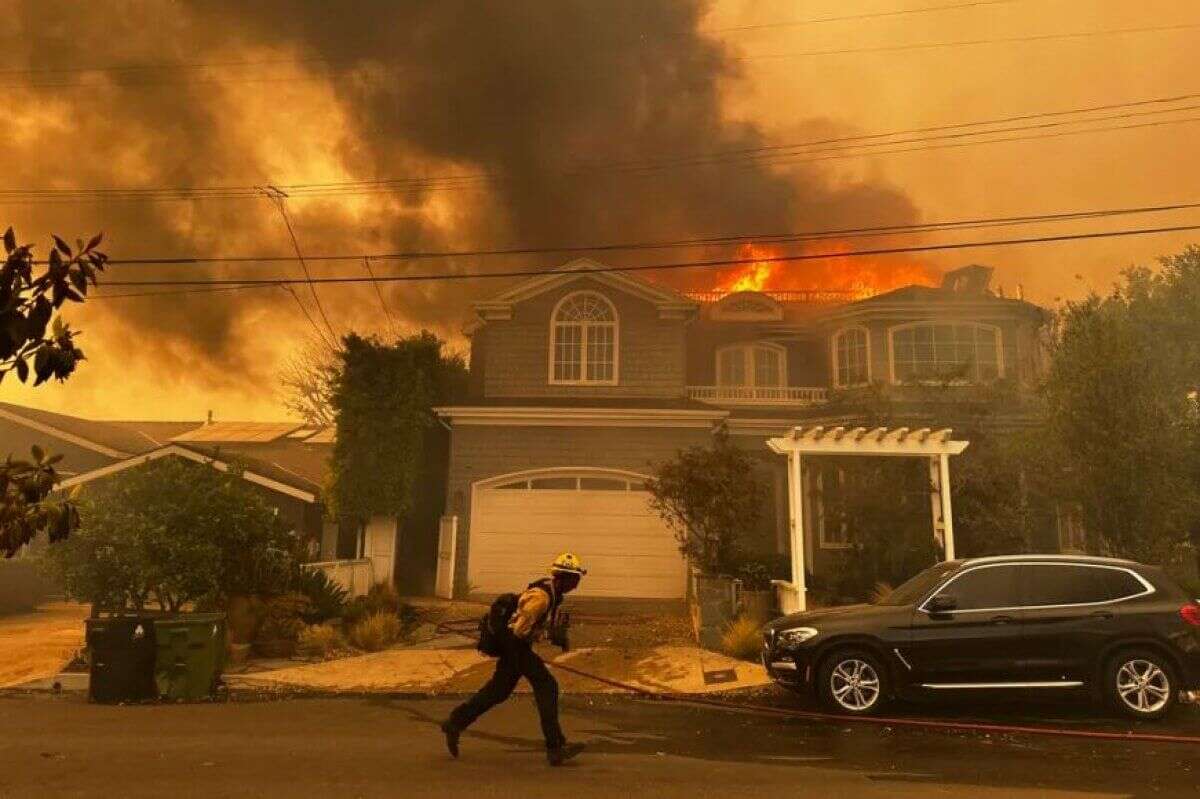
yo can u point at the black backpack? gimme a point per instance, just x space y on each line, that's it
493 626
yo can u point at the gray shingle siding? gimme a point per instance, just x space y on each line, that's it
516 352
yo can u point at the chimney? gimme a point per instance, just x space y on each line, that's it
972 279
209 418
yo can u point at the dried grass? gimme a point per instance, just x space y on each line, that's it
320 640
743 638
376 632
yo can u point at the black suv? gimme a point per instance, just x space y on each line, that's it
1123 630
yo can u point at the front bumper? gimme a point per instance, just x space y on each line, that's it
786 666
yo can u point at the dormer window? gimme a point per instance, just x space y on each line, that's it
851 358
760 365
583 340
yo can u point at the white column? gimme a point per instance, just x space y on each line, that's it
935 502
796 484
947 517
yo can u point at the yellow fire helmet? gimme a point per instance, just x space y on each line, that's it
567 563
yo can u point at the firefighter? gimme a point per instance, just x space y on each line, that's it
517 622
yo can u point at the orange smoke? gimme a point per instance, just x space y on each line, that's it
856 277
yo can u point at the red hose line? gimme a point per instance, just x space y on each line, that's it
811 715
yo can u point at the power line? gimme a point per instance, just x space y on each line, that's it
875 15
190 66
276 197
379 293
781 153
763 237
1042 37
707 264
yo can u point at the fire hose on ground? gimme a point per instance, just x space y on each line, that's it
460 628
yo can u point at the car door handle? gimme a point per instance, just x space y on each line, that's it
1103 614
1002 620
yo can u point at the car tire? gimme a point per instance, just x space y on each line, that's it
853 682
1141 683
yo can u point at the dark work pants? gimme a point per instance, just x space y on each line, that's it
517 660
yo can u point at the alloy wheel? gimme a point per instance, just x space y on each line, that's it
1143 686
854 684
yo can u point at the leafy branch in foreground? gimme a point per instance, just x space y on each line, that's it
33 340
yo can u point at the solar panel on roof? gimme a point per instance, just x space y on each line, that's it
238 432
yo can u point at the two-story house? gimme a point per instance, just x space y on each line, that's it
581 381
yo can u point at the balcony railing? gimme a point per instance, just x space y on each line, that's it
758 395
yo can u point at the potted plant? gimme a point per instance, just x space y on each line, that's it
709 498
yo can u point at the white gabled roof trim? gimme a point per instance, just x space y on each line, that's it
581 417
862 441
184 452
70 438
667 301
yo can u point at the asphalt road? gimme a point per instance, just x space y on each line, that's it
61 746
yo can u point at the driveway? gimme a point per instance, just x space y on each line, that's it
60 746
37 645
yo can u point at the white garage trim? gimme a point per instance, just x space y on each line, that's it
517 527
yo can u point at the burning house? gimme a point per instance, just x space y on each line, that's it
581 380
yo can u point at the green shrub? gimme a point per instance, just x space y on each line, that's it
376 632
320 640
743 638
328 598
284 617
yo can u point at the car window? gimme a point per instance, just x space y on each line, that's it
910 591
986 587
1067 584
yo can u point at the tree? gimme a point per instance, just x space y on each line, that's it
309 377
1123 420
175 532
33 340
383 400
710 498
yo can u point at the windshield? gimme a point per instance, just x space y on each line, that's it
915 588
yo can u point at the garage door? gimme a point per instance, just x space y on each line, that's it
519 525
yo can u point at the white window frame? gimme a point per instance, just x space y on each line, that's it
748 348
822 520
833 351
935 323
615 325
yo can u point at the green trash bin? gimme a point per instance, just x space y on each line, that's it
191 655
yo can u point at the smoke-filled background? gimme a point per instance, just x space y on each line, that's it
526 107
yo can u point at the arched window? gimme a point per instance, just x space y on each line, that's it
927 351
583 340
851 358
762 365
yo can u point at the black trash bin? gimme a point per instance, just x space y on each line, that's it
122 651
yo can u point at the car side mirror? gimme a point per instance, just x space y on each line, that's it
942 603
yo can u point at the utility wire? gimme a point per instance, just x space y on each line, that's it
706 264
763 237
892 48
875 15
782 153
278 198
382 303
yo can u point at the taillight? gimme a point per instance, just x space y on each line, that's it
1190 614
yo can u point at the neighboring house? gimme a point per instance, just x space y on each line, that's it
580 382
287 462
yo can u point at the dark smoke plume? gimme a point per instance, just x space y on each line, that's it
522 91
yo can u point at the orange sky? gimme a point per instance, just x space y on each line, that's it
141 366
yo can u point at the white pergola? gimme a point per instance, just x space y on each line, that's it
936 445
